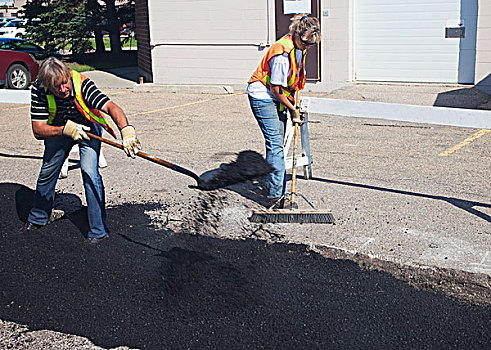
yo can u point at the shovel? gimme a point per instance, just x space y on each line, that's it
249 165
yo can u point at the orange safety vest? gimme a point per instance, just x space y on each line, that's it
296 76
91 114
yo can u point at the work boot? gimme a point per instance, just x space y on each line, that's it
29 226
56 214
97 240
274 203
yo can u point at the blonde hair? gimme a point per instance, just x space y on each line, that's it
51 71
308 28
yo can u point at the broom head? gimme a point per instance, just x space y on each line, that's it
292 216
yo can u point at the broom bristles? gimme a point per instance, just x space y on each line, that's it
289 216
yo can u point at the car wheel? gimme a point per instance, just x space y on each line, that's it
18 77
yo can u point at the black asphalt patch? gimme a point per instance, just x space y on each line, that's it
154 289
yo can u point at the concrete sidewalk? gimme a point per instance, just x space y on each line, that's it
438 95
117 78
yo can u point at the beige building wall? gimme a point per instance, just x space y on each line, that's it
12 11
337 45
222 41
212 42
483 47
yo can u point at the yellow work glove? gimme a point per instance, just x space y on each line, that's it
296 116
75 131
130 142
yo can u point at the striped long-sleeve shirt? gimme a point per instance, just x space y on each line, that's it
65 107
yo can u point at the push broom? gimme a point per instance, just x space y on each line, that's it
292 214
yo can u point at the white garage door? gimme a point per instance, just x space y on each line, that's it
404 40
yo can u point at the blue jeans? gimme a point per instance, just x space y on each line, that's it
56 150
272 123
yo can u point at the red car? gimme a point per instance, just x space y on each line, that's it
17 69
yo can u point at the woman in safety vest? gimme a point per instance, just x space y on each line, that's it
271 92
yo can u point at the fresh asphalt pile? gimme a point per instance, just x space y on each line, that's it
155 288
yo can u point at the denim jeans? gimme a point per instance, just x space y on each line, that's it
272 123
56 150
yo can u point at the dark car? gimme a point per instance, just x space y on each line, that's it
22 45
17 69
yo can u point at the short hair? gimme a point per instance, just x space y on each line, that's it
308 28
51 71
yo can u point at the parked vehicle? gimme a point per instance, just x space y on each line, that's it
128 29
22 45
4 20
13 29
17 69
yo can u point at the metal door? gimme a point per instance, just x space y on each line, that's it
415 40
312 63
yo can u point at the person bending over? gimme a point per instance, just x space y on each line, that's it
64 106
271 91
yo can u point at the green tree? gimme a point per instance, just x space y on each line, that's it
95 18
70 23
106 16
58 25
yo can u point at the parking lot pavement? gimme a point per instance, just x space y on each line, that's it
406 201
393 194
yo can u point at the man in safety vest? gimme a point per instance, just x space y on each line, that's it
65 105
271 92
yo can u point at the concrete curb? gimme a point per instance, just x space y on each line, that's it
15 96
468 118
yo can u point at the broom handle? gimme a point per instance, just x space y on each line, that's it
294 158
148 157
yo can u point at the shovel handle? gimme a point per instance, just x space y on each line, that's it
148 157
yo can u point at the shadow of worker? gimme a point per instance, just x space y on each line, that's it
244 175
17 201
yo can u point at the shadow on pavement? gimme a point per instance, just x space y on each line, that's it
20 156
469 98
157 289
485 84
71 204
459 203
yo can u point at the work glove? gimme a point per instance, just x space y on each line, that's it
130 142
296 116
76 131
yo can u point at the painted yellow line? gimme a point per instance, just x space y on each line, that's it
10 109
465 142
155 110
121 92
184 105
